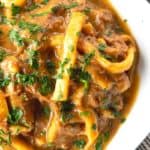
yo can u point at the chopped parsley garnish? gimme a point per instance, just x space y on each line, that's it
45 85
4 82
106 136
15 10
62 65
33 28
50 66
94 127
81 76
99 143
15 37
5 137
66 108
33 58
87 59
101 139
26 79
85 113
56 8
87 10
80 144
15 116
102 47
65 116
116 114
107 56
3 54
5 20
78 33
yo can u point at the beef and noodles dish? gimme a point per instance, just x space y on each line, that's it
66 73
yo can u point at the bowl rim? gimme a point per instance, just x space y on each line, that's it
137 126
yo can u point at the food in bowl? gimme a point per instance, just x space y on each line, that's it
67 70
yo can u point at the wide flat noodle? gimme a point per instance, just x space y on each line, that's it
69 56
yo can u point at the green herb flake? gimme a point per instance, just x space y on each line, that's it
78 33
50 66
61 70
5 137
85 113
15 37
66 116
15 116
102 47
56 8
26 79
67 106
87 10
116 114
45 85
15 10
107 57
94 127
33 28
99 143
3 54
5 20
80 143
106 136
87 59
81 76
4 82
33 58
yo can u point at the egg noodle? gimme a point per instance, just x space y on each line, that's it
66 67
